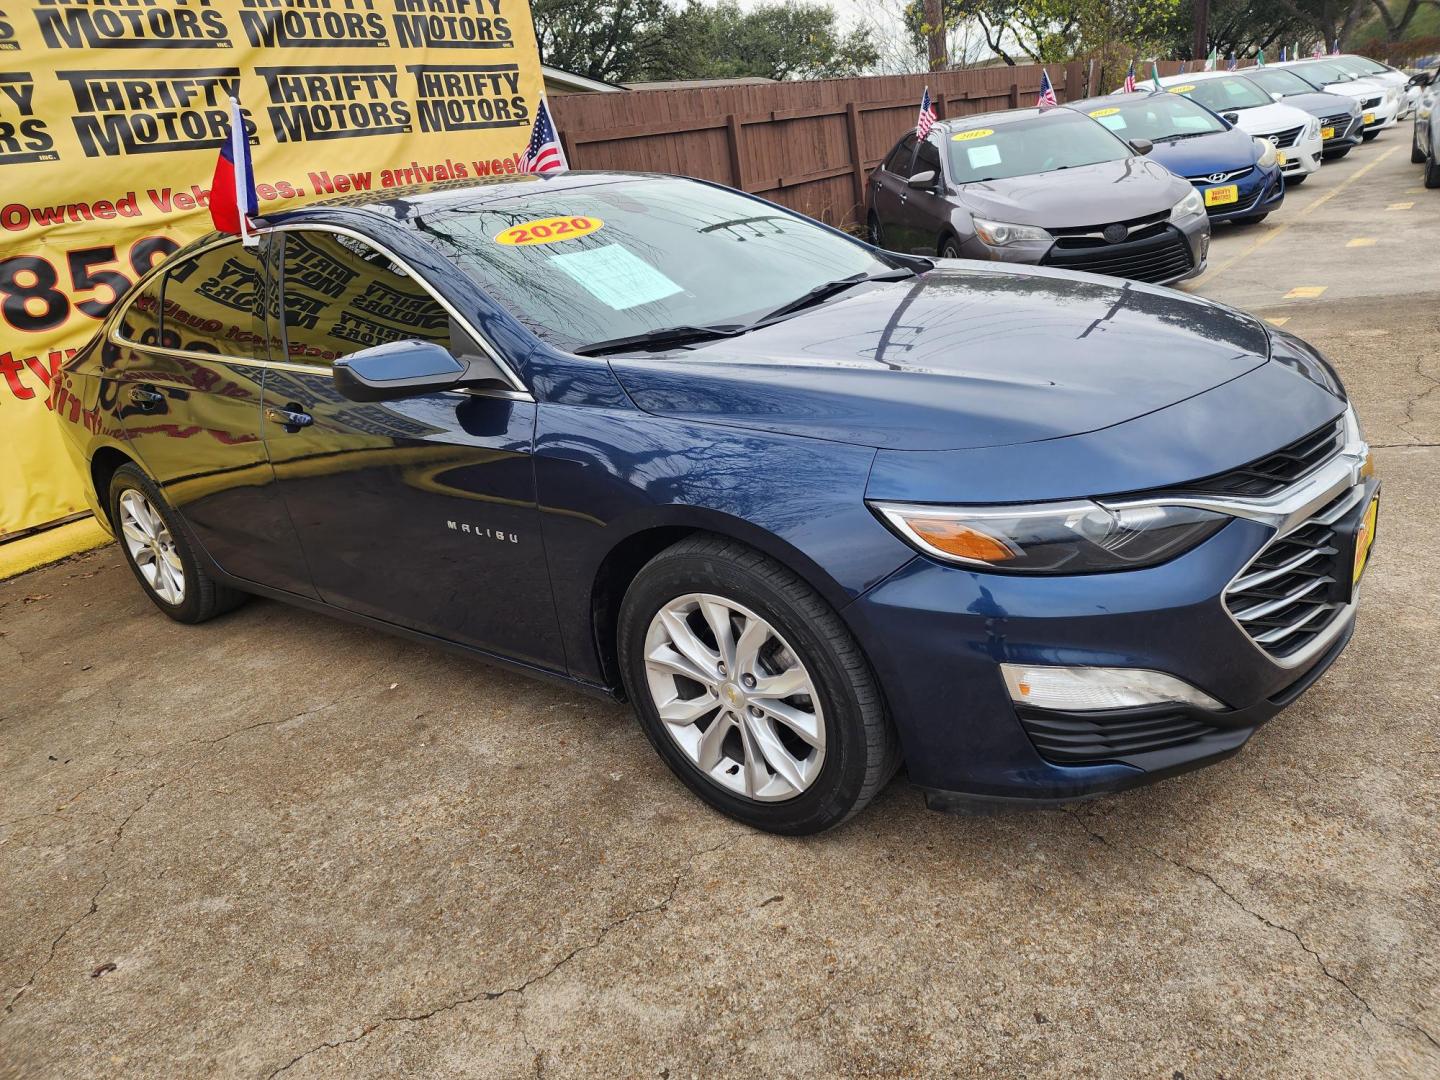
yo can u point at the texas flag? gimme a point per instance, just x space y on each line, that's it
232 190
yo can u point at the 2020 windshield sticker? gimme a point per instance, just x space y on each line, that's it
616 276
549 230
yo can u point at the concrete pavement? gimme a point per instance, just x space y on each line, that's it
279 845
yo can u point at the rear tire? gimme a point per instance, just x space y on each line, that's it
159 551
1432 171
809 773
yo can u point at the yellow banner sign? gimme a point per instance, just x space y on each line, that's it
112 113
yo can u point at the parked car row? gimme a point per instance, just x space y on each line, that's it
1130 184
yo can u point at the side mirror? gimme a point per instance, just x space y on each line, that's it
1233 119
1141 146
397 369
923 181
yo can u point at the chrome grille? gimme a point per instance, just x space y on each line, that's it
1340 122
1284 598
1282 139
1278 469
1225 179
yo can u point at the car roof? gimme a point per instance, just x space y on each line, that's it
1199 76
400 203
1120 96
996 119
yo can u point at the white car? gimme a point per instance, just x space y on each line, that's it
1295 134
1386 75
1380 103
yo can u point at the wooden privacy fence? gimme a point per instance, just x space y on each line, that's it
808 145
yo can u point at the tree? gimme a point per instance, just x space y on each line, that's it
604 39
1397 21
774 41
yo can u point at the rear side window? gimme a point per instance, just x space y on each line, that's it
139 322
899 160
341 295
209 302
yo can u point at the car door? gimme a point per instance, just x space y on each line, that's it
925 212
184 366
420 511
889 191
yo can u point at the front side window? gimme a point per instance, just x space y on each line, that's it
900 158
1223 95
580 265
139 320
341 295
1059 139
209 302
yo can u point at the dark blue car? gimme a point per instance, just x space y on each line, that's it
815 509
1238 174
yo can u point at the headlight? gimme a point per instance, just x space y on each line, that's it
1079 537
1267 153
1000 233
1312 129
1289 350
1193 203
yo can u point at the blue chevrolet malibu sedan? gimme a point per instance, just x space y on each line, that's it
816 510
1237 174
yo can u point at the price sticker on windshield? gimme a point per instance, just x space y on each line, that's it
1182 89
549 230
978 133
1104 112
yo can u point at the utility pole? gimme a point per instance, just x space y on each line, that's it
935 24
1200 47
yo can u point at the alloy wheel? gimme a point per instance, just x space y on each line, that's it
151 546
735 697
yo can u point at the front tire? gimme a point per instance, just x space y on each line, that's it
1253 219
950 248
752 690
159 551
1336 155
1370 136
1432 171
1296 180
1417 156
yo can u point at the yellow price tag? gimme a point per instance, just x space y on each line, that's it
1181 89
966 136
550 230
1104 112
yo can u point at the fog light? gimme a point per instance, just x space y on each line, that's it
1080 689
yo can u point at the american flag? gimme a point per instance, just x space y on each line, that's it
544 154
1319 50
1233 64
1336 50
1130 79
926 120
1047 91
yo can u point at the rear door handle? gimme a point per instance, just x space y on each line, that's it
145 399
292 418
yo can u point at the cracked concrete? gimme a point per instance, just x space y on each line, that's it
335 853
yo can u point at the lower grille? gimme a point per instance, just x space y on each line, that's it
1284 598
1159 257
1373 103
1090 739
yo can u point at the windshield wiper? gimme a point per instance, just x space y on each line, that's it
823 292
654 339
1182 135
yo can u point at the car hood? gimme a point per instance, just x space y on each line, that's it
966 355
1201 155
1085 195
1320 104
1269 119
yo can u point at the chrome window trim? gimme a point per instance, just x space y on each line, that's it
518 387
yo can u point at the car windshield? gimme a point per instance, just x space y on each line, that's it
1363 65
1280 81
581 265
1325 71
1058 139
1225 94
1153 116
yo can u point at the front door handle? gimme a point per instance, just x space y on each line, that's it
145 399
292 417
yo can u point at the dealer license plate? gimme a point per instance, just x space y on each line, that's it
1365 538
1327 133
1369 118
1221 196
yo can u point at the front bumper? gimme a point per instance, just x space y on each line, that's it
1260 193
1304 157
1350 134
937 633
